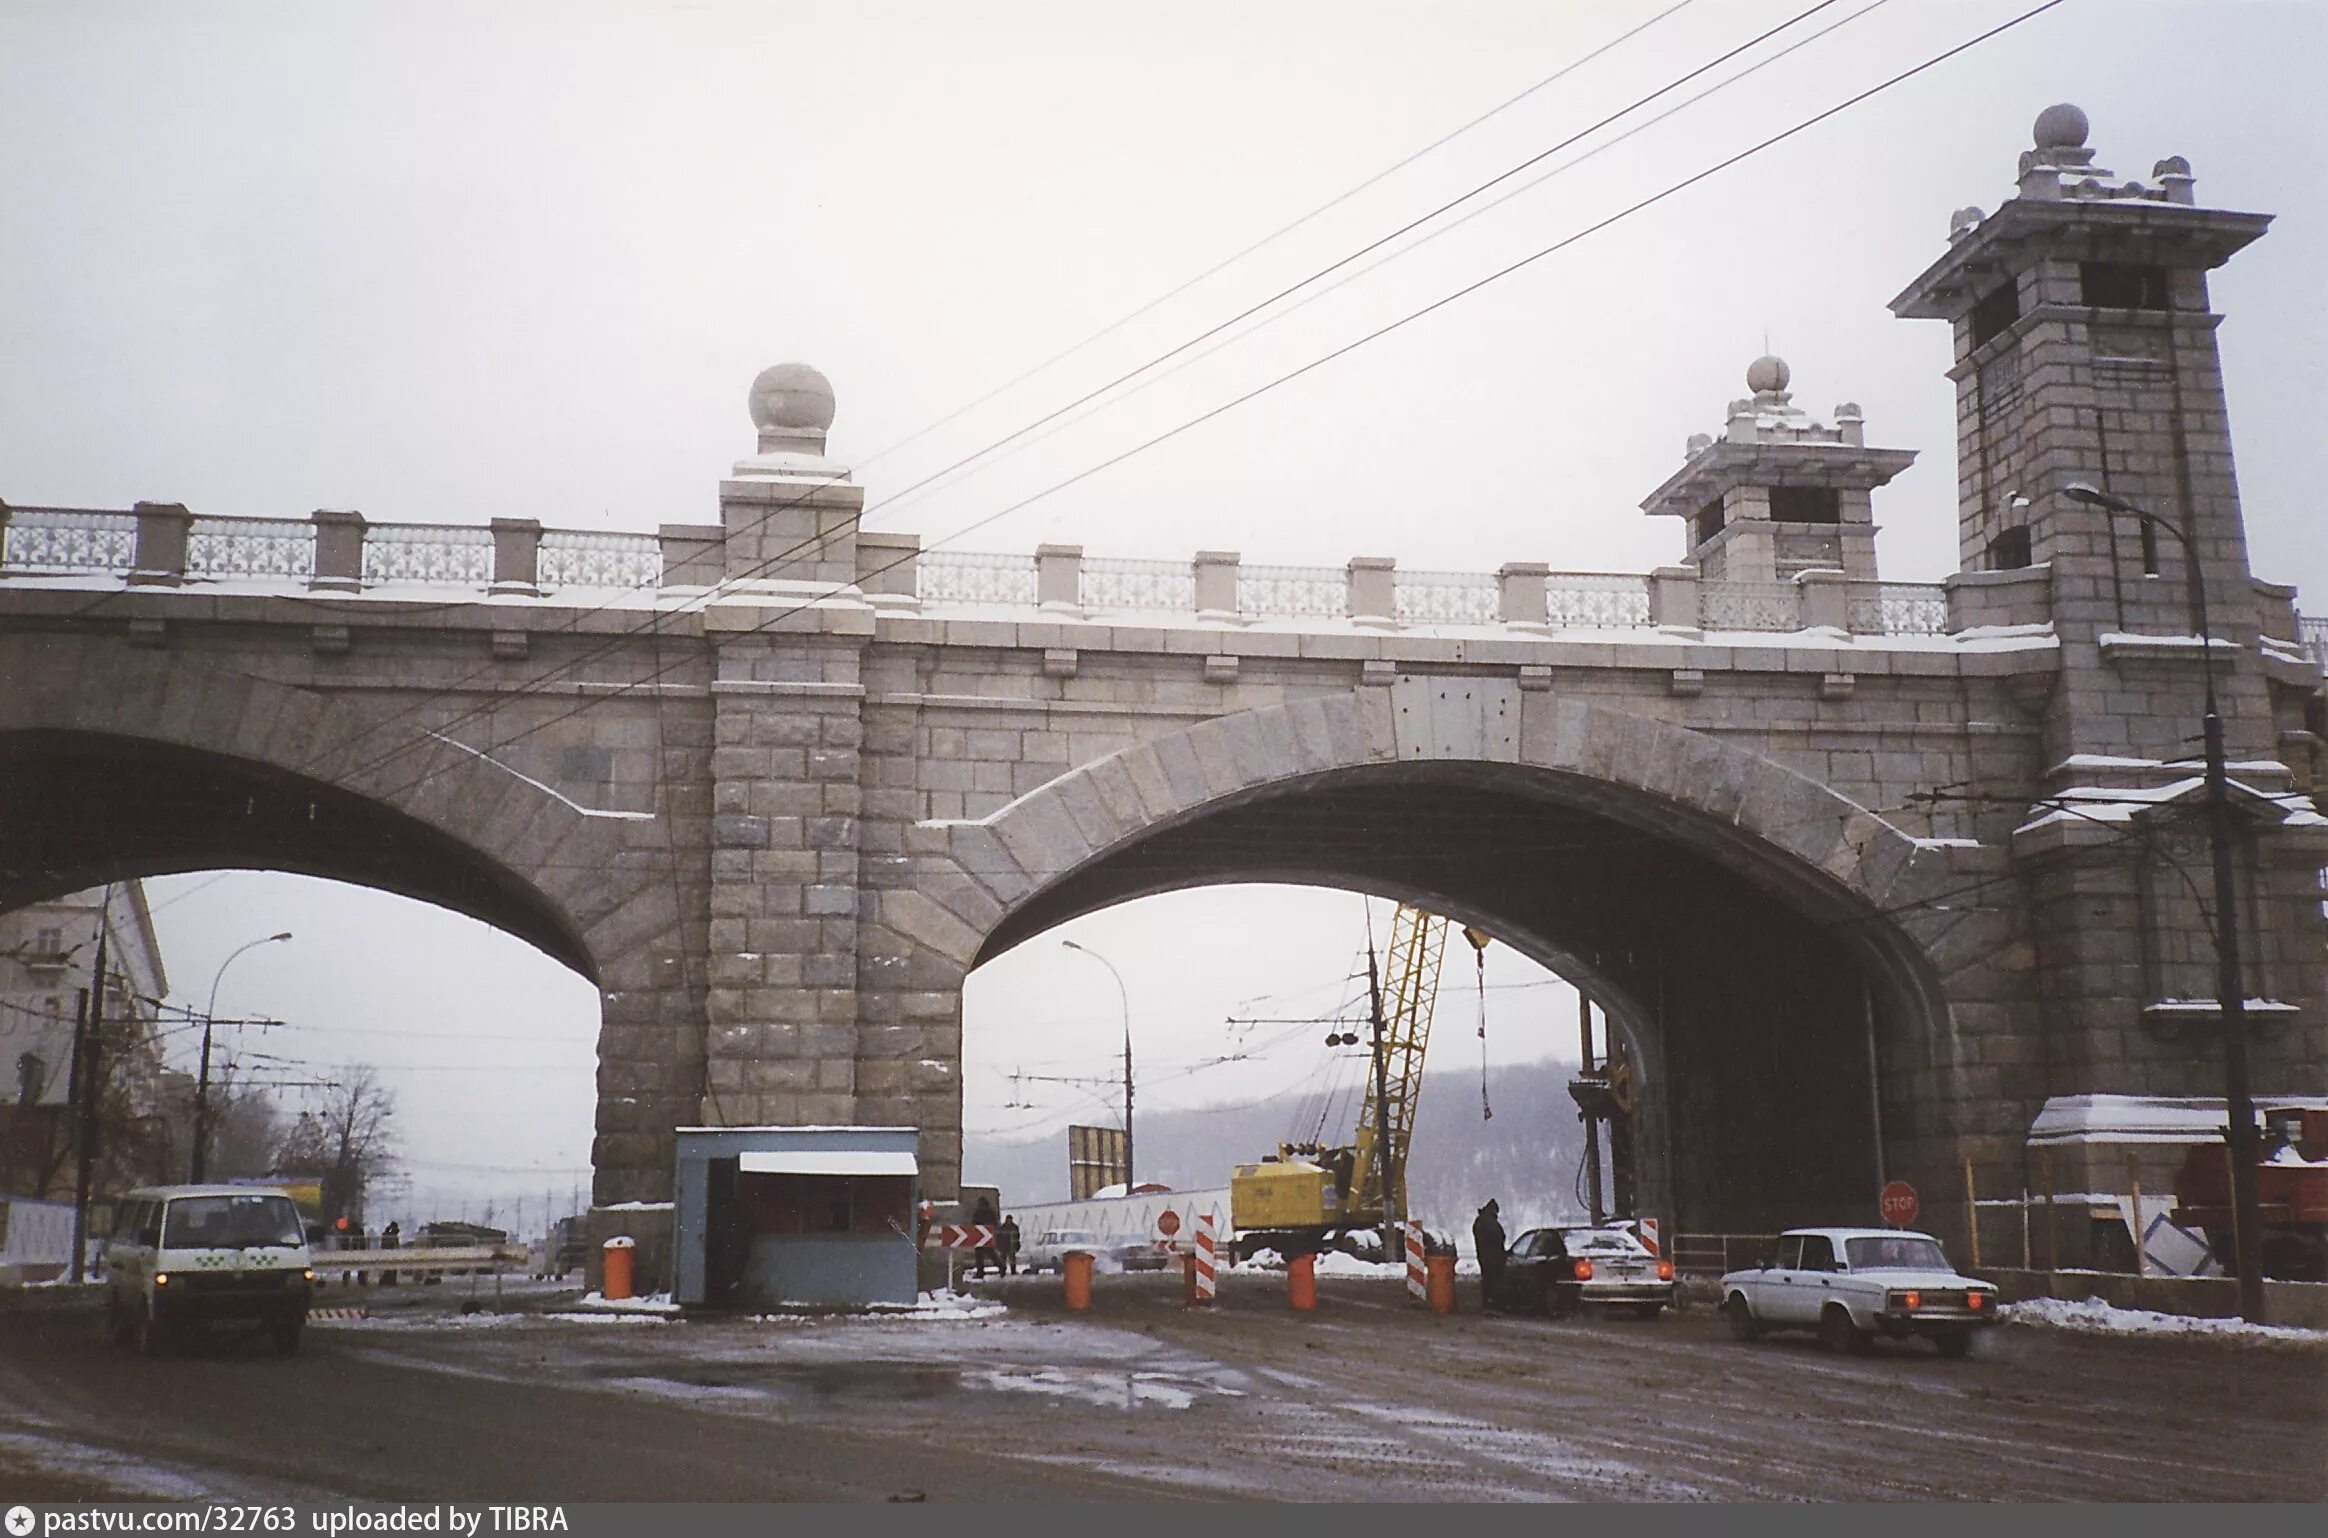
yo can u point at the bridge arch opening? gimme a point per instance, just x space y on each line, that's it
1777 1013
80 808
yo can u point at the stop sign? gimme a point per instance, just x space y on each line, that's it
1898 1204
1168 1222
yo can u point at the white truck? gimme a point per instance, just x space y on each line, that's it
1853 1284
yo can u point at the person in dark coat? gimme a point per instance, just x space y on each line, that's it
1007 1240
984 1216
390 1237
1487 1236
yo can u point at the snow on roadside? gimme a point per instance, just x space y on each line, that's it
653 1303
2092 1316
943 1306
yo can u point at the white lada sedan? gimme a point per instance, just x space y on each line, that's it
1853 1284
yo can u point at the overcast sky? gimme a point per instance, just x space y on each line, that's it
443 263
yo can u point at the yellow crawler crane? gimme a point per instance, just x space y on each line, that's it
1309 1195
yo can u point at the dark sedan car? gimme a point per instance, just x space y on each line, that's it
1557 1270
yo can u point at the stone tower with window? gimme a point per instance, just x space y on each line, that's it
2085 358
1778 493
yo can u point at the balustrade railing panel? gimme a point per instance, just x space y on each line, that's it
63 540
974 577
251 547
597 559
1591 600
1446 598
1749 606
1158 587
1293 592
2315 638
1908 608
427 552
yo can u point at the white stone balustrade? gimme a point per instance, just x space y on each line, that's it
164 544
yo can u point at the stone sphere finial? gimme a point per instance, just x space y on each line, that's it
1766 373
2061 127
792 397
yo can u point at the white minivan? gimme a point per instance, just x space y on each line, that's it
185 1255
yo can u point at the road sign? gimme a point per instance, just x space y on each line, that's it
965 1236
1898 1204
1168 1222
1649 1237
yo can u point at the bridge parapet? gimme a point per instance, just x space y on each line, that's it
162 544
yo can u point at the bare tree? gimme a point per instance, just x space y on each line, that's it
349 1140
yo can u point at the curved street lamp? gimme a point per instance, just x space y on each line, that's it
1125 998
2230 987
201 1159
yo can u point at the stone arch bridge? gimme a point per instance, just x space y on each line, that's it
1864 870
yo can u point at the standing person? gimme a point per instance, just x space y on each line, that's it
1008 1236
390 1238
1487 1237
984 1217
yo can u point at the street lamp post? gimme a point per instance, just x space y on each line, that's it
2230 987
199 1163
1125 998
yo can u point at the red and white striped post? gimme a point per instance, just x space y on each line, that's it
1416 1290
1207 1265
1650 1240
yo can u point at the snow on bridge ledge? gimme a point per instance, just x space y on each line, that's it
158 547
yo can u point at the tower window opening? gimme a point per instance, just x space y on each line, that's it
1996 310
2122 286
2009 550
1710 521
1805 504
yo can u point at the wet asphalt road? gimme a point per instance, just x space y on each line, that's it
1364 1399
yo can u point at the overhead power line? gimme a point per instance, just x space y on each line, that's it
656 620
1378 333
726 584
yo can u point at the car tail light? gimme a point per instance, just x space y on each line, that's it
1584 1270
1665 1270
1912 1299
161 1278
1976 1300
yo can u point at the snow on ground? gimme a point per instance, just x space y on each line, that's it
653 1303
940 1305
2092 1316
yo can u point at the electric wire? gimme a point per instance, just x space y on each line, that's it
1364 339
727 583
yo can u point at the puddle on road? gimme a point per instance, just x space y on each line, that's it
839 1384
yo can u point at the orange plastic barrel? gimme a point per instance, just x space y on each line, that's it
1439 1282
617 1259
1301 1283
1075 1270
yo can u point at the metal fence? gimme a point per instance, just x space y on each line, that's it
69 540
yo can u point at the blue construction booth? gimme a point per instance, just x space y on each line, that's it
787 1217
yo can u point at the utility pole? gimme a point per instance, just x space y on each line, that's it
1385 1158
1127 1112
88 1078
1592 1158
2230 986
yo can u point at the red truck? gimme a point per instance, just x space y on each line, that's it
2291 1189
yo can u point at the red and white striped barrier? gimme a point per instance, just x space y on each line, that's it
1207 1265
1416 1290
1649 1239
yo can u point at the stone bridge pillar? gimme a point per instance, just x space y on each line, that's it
787 631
